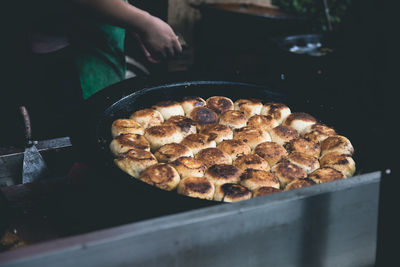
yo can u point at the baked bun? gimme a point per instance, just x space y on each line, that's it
231 193
319 132
278 111
218 132
172 151
270 151
147 117
185 125
203 116
325 174
251 136
188 103
336 143
305 161
197 142
264 190
161 135
169 108
233 118
300 121
253 179
283 134
189 167
219 104
287 172
299 183
125 142
212 155
249 107
161 175
234 148
135 161
251 161
265 123
305 146
198 187
341 162
126 126
220 174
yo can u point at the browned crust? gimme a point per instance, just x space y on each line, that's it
199 185
248 134
302 159
216 130
172 150
161 130
322 129
195 100
289 170
138 155
325 174
235 192
203 115
133 140
185 124
159 174
258 174
126 123
189 163
299 116
212 155
334 158
219 104
335 141
265 190
251 161
285 132
271 151
236 147
304 145
143 112
233 117
223 171
299 183
266 123
166 104
196 140
275 109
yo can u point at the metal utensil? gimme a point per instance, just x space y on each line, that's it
34 168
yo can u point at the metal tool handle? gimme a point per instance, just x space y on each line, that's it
27 124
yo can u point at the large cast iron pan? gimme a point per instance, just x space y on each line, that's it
121 100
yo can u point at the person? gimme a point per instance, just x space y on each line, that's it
76 48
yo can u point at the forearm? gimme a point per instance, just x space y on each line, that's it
119 13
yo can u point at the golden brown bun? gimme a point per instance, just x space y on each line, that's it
305 146
212 155
319 132
162 134
234 148
253 179
271 152
169 108
251 161
189 167
336 143
300 121
197 142
218 132
185 125
126 142
135 161
325 174
147 117
219 104
190 102
287 172
203 116
299 183
265 123
249 107
262 191
220 174
233 118
341 162
305 161
251 136
125 126
283 134
231 193
161 175
278 111
198 187
170 152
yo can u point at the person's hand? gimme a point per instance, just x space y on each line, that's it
159 41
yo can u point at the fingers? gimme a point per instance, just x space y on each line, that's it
177 46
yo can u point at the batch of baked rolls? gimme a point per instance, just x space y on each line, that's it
221 150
